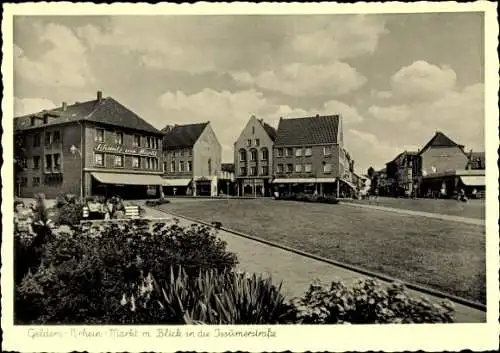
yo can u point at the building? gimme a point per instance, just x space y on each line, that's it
227 180
309 157
191 160
97 147
402 171
254 158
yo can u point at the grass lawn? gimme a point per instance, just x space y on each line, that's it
441 254
471 209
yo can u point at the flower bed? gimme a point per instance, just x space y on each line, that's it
158 202
309 198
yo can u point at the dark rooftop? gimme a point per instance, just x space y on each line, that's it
440 140
182 136
308 130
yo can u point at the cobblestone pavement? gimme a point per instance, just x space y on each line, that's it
295 271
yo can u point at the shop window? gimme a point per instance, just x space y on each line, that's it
36 162
308 152
99 135
99 159
119 161
119 138
137 141
36 140
136 162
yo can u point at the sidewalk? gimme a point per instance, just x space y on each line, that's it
297 271
473 221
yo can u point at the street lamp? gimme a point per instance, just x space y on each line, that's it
74 150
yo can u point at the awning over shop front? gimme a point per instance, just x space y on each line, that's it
176 182
303 180
351 185
128 179
474 180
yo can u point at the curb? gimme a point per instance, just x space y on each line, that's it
385 278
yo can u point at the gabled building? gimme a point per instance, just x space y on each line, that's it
192 160
253 158
402 171
97 147
309 157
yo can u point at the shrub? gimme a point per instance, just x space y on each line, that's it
96 264
155 203
368 302
309 198
70 214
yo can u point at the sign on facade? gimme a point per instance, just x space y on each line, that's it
139 151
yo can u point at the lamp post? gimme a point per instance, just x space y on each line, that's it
74 150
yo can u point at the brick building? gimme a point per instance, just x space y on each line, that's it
94 147
402 171
192 160
309 157
254 158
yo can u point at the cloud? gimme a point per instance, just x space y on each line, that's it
396 113
24 106
63 64
423 81
350 115
298 79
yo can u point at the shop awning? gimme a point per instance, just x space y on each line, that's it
176 182
476 180
128 179
351 185
303 180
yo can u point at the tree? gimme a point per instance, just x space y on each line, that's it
371 173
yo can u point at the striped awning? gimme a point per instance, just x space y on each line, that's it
303 180
128 179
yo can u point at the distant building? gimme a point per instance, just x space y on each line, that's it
227 180
192 160
253 158
477 160
98 147
309 157
402 171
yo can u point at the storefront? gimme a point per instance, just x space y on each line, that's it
294 186
126 185
177 187
448 184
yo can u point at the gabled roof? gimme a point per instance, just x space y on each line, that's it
227 167
182 136
309 130
271 131
105 111
440 140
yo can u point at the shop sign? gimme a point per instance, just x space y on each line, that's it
140 151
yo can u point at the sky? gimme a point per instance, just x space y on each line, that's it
396 79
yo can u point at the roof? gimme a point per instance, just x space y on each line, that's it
440 140
182 136
104 111
271 131
309 130
227 167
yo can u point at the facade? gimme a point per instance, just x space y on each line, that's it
309 157
402 171
98 147
253 157
192 160
227 180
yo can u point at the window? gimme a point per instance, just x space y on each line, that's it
298 152
308 152
56 137
181 153
137 141
298 168
209 166
257 142
265 154
99 135
119 138
172 167
190 152
48 138
253 171
264 170
279 168
24 162
327 168
57 162
156 164
36 140
289 152
181 166
253 130
119 161
48 162
289 168
36 181
308 168
23 181
99 159
32 121
327 151
243 171
249 142
189 166
136 162
165 166
36 162
253 155
148 163
243 156
279 152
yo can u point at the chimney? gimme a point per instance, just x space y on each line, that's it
99 96
64 106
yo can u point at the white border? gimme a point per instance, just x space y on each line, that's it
294 338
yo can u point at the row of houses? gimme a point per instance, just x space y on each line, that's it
441 168
100 147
